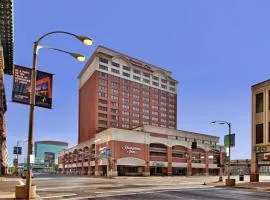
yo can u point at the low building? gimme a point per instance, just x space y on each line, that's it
240 167
46 152
260 157
146 150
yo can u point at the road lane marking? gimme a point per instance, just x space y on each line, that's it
59 196
101 194
21 182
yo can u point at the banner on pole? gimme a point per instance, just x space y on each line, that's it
21 84
43 89
229 140
22 87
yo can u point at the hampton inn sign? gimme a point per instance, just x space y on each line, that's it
131 150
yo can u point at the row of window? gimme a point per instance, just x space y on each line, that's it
138 78
102 74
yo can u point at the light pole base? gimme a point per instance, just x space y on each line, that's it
254 177
20 192
230 182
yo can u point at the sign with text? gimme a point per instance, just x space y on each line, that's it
17 150
43 89
22 87
21 84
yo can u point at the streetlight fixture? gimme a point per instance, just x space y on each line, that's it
229 125
77 56
85 40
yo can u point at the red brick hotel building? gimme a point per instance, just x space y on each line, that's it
130 107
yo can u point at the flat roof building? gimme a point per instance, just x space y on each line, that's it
119 91
46 152
260 158
146 150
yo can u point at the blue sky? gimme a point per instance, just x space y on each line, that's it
215 49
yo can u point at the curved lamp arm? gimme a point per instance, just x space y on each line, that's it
84 39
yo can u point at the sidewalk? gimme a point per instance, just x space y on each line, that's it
260 186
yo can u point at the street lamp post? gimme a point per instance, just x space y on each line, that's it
79 57
17 155
229 159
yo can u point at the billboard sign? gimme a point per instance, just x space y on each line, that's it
43 89
21 84
49 158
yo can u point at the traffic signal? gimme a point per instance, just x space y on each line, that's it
194 145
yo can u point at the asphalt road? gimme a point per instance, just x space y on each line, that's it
195 194
80 188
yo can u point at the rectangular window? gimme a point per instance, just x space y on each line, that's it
137 78
259 103
114 117
146 80
125 87
113 97
155 78
102 115
164 86
126 100
172 83
172 89
101 87
135 96
102 108
115 71
155 83
259 133
136 71
102 94
126 74
125 106
114 83
146 74
103 60
102 101
103 81
114 124
115 91
102 74
136 115
114 110
125 94
102 122
125 112
126 68
103 67
114 104
163 81
115 64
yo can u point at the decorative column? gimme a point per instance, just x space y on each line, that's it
189 162
169 158
206 163
147 161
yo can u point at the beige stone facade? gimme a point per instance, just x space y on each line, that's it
260 162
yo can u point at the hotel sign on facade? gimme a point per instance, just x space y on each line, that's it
130 149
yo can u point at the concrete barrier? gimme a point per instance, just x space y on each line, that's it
20 191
